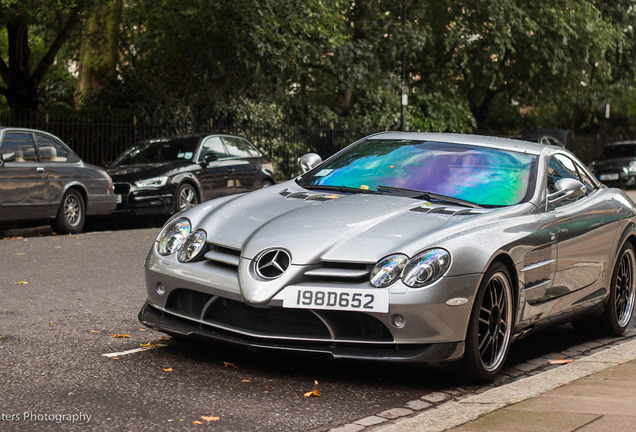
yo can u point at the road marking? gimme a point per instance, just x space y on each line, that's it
132 351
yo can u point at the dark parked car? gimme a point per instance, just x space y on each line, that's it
41 178
616 167
167 175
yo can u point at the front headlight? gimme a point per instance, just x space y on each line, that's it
155 182
426 268
388 270
193 247
173 236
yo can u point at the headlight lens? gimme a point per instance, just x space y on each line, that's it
426 268
388 270
632 167
192 248
173 235
155 182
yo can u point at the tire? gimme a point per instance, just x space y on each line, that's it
620 306
266 183
71 216
185 197
490 326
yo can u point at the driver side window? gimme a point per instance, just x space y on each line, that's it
561 167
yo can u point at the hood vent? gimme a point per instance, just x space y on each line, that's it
306 196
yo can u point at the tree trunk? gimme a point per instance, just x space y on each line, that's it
21 89
99 52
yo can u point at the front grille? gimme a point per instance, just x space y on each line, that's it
276 321
122 189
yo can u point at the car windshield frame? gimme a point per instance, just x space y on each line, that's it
159 151
482 175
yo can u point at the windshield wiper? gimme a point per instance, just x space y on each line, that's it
338 189
428 196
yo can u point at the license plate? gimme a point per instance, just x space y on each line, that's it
340 299
118 197
612 176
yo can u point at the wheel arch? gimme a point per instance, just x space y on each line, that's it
507 261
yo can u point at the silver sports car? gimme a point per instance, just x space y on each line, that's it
412 247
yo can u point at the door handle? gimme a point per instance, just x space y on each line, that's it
40 170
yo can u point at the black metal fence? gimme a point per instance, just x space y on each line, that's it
98 140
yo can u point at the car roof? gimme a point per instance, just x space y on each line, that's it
627 142
477 140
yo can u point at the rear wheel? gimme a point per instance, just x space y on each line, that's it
71 215
490 326
620 305
185 198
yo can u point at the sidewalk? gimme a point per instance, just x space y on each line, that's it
593 393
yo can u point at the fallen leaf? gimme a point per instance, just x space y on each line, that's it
315 393
232 365
210 418
23 283
143 329
246 380
167 370
164 338
94 331
559 361
197 422
121 336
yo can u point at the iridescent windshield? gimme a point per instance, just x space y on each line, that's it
484 176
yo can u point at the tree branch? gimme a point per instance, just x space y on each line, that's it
61 38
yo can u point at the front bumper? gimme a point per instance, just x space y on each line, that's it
430 354
205 300
137 201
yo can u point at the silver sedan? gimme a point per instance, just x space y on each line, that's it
407 247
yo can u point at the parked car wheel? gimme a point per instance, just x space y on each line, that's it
186 197
620 305
71 215
490 326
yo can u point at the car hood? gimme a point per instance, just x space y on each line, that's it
132 173
315 226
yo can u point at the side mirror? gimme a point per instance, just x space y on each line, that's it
210 157
309 161
566 188
6 157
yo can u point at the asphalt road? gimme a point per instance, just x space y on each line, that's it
67 300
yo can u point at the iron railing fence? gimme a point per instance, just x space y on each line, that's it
99 140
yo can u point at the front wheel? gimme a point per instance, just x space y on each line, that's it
620 305
185 198
490 326
71 215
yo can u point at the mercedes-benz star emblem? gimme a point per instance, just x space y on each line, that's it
273 263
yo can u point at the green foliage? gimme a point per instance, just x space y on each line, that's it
499 65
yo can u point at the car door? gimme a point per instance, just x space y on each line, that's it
244 159
583 228
57 159
217 171
23 179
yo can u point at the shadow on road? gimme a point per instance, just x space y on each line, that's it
94 224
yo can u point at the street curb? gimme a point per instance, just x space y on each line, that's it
455 413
